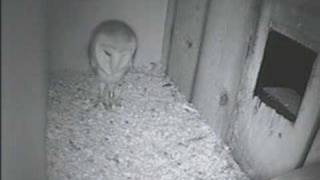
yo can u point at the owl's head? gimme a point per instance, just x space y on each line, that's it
113 45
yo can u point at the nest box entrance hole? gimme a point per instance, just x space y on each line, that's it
284 74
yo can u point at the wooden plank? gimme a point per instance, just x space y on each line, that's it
311 172
186 43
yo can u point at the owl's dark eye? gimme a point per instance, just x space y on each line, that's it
107 53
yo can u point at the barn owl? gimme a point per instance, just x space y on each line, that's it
111 52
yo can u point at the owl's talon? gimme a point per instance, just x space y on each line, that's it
96 103
117 102
107 106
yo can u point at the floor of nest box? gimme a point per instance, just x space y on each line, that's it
154 134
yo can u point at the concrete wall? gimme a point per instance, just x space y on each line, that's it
23 89
187 34
263 142
72 21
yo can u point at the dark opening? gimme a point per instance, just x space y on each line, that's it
284 74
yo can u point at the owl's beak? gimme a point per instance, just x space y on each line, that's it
115 60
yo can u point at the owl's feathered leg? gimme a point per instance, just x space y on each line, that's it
100 95
113 96
103 96
107 98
